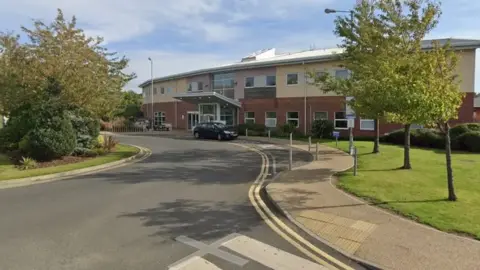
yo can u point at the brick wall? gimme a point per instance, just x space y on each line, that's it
281 106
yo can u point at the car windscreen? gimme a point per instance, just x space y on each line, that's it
220 125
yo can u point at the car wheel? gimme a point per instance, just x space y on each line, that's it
197 136
219 137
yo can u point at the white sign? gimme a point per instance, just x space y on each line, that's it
351 123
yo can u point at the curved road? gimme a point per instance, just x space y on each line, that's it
130 217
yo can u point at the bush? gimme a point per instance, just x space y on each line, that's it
87 127
469 141
418 137
100 151
27 163
84 152
253 129
109 143
8 139
322 128
50 141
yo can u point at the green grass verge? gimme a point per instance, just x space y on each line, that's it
8 171
419 193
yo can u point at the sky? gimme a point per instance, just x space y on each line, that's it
184 35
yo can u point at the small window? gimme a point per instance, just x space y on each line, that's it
162 90
292 118
249 117
271 80
154 90
271 119
292 79
367 124
320 116
200 86
342 74
189 87
341 121
249 81
169 90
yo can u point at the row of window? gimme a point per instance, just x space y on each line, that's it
293 118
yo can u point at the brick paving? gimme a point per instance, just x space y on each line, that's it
308 196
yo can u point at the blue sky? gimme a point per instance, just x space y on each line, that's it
183 35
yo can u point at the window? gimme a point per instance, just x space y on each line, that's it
249 81
189 87
249 117
169 89
271 81
292 118
320 116
159 118
292 79
416 126
270 119
367 124
162 90
342 74
154 90
341 121
200 86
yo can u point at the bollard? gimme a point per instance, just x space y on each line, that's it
291 139
290 159
316 151
269 134
355 161
246 132
309 143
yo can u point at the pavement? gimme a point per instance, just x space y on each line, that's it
187 206
308 197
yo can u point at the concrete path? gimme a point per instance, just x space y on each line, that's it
360 230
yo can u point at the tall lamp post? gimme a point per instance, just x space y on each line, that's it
151 90
350 129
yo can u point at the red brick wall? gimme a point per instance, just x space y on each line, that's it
284 105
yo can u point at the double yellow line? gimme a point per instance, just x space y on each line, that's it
279 226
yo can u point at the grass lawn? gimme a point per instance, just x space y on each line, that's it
419 193
8 171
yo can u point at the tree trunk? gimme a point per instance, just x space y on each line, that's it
448 156
376 143
406 149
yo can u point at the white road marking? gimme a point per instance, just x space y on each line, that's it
270 146
269 256
195 263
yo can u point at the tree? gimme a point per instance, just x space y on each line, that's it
90 75
367 51
442 86
130 105
408 23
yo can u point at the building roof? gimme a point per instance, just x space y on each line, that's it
307 56
476 101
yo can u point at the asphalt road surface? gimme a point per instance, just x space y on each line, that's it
189 197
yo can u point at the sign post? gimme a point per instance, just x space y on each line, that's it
350 124
336 134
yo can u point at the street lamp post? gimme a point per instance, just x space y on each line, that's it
151 89
350 129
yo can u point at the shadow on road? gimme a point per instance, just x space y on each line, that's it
200 220
196 166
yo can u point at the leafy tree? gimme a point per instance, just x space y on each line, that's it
130 105
442 88
367 51
91 76
408 23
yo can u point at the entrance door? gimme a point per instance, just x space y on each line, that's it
192 119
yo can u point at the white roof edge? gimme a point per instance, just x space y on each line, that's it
299 57
206 94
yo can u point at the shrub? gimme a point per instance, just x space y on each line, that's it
8 139
51 141
109 143
27 163
258 129
87 127
469 141
100 151
84 152
322 128
419 137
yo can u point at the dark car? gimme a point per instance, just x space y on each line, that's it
214 130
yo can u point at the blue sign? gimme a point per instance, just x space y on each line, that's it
336 134
350 116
